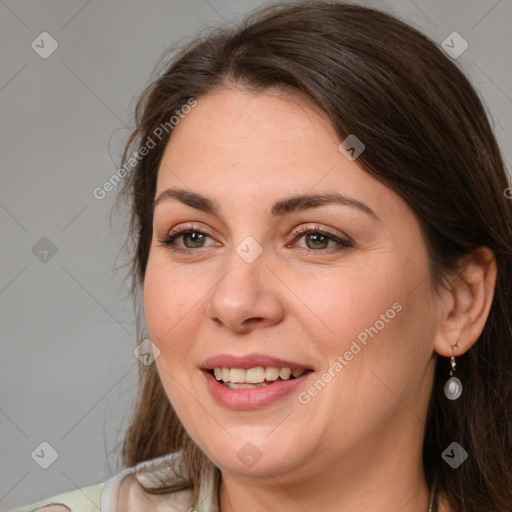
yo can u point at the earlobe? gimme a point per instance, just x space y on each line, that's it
467 303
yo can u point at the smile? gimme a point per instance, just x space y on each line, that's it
240 378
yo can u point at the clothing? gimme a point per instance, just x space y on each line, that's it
124 491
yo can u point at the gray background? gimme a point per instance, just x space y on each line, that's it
68 373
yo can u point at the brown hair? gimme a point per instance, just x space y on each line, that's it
427 137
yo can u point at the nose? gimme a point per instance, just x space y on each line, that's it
246 297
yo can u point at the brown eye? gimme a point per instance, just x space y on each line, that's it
193 239
317 241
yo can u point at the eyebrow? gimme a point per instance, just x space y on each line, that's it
282 207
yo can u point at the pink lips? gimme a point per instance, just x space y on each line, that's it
245 399
249 361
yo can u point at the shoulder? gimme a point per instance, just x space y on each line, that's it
86 499
125 492
132 497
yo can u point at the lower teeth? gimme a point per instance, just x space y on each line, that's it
244 385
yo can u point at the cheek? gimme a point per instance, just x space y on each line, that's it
169 302
350 304
379 319
380 323
384 323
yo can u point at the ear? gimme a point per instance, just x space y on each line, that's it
465 306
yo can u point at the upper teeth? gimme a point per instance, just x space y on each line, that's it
254 375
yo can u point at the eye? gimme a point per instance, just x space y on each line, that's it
191 238
317 239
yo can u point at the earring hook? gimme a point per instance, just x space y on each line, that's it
452 358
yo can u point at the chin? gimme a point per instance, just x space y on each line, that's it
256 455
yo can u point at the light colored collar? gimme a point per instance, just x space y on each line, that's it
151 474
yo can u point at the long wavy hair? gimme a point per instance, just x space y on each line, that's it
427 137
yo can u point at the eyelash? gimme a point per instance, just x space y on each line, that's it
169 240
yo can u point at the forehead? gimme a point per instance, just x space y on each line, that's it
240 132
232 116
244 147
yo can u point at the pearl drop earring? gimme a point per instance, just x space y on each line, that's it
453 386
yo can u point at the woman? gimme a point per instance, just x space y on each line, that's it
322 239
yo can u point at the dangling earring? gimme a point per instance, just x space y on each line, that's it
453 386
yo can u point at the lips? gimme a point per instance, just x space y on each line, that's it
250 361
229 377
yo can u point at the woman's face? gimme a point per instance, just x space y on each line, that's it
295 259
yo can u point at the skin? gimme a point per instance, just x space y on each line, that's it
356 446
